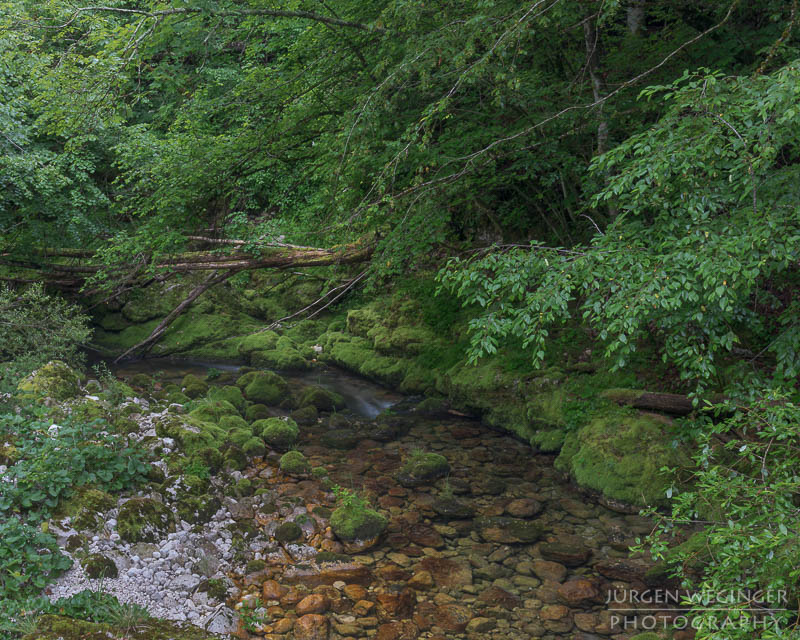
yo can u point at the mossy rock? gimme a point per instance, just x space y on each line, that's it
361 321
113 322
177 397
288 532
208 457
321 399
254 566
191 435
350 523
287 359
433 407
305 416
235 459
548 441
229 423
278 433
193 386
254 448
52 627
256 412
452 508
620 455
241 435
264 387
230 394
54 379
144 520
294 463
198 509
422 468
98 566
340 439
546 410
214 410
357 355
261 341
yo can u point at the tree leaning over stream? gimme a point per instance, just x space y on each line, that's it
140 131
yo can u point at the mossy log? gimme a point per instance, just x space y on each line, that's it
672 403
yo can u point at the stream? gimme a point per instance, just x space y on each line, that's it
503 547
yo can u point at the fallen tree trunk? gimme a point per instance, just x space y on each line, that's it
672 403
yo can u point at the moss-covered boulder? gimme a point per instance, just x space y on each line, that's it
278 433
256 412
352 523
340 439
288 532
214 411
422 468
52 627
230 394
305 416
96 565
284 356
54 379
194 387
360 321
198 509
321 399
620 455
358 355
261 341
254 447
263 387
144 520
294 463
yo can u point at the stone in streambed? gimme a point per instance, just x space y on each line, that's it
340 439
311 626
571 555
422 468
96 565
453 508
508 530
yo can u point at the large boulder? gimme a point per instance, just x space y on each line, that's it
54 379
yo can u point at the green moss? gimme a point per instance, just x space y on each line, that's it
143 520
113 322
190 434
278 433
254 447
217 589
198 509
230 394
620 454
254 566
208 457
546 409
294 463
261 341
265 388
421 468
321 399
548 441
240 436
235 459
360 321
193 386
305 416
288 532
256 412
177 397
288 359
54 379
229 423
213 411
357 523
96 565
356 354
51 627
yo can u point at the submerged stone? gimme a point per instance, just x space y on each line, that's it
508 530
423 468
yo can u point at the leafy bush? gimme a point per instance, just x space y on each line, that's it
55 459
29 559
745 493
36 328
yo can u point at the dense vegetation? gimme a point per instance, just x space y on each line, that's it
625 166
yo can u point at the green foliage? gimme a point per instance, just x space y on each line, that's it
36 328
348 498
54 460
744 494
704 230
29 558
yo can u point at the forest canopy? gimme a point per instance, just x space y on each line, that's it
567 142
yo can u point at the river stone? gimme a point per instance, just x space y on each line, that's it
623 569
425 536
398 630
448 572
578 591
396 601
313 603
453 508
571 555
508 530
313 576
453 617
496 596
340 439
311 626
548 570
422 469
523 508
